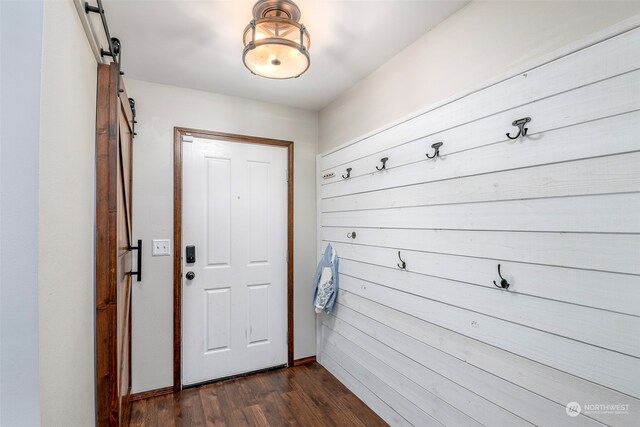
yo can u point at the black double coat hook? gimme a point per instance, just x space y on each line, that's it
436 147
522 130
348 173
503 282
384 163
401 265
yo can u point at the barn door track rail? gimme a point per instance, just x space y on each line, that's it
114 50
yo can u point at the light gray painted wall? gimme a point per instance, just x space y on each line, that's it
67 215
20 64
160 108
483 40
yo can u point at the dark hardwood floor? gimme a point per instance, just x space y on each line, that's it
306 395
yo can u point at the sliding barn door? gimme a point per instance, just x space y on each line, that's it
114 137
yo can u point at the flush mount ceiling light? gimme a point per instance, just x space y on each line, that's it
276 45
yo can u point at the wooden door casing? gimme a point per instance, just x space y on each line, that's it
177 237
113 249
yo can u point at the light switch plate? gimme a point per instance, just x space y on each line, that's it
161 247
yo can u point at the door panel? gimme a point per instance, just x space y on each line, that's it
218 319
219 211
125 265
235 213
258 177
258 314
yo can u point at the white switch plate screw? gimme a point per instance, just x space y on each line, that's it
161 247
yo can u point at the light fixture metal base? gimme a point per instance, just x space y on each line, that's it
276 8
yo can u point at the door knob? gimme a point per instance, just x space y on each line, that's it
190 275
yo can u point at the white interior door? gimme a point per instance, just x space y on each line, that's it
235 215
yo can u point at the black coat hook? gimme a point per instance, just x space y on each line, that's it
402 265
348 173
351 235
436 147
384 163
522 130
503 282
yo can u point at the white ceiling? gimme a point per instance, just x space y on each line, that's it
198 43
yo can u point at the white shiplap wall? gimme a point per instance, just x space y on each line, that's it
559 209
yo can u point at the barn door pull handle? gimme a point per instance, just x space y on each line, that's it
402 265
348 174
522 130
436 147
138 273
384 163
503 282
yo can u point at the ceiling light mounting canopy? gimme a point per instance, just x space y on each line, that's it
276 44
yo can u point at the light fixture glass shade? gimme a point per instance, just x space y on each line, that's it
276 47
